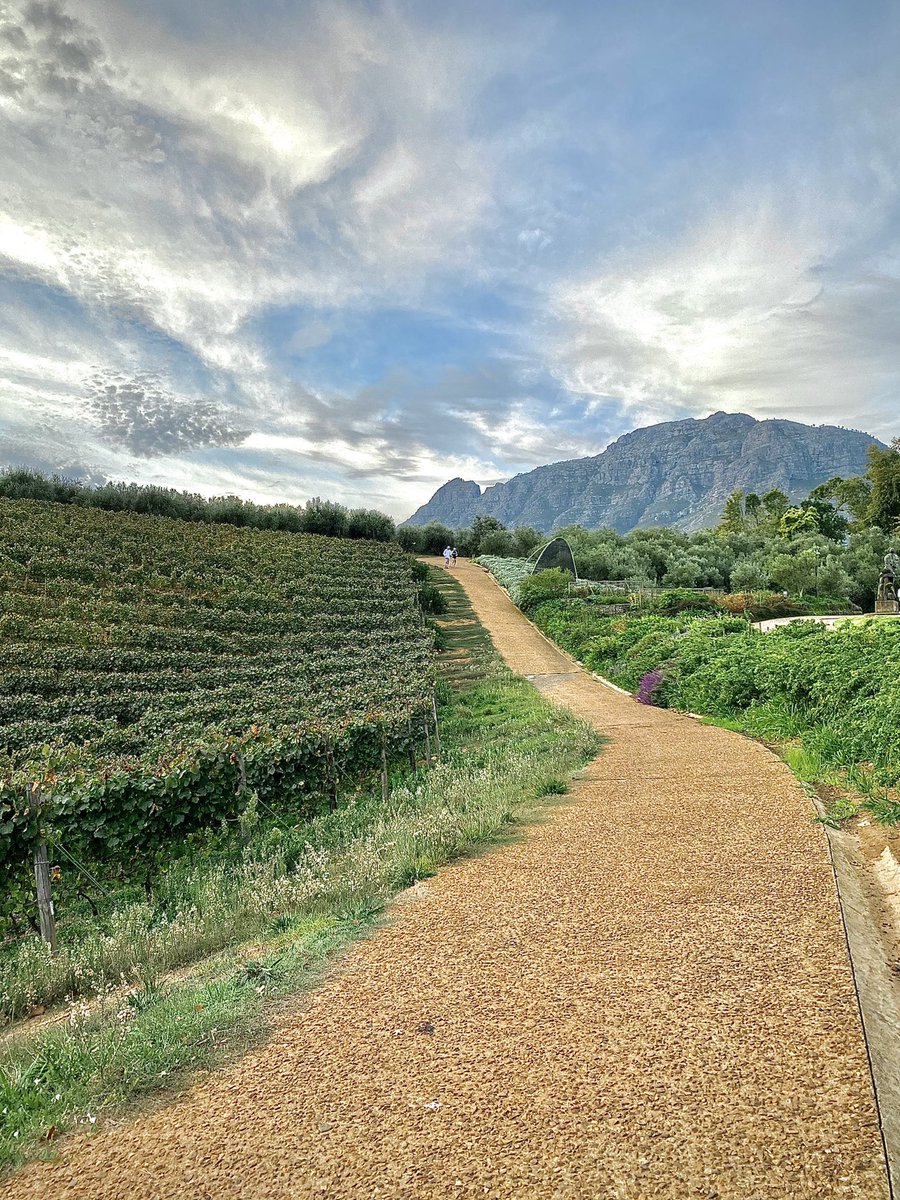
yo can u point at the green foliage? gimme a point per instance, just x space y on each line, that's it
156 677
317 516
676 601
798 520
884 476
837 692
545 585
734 519
509 572
432 599
794 572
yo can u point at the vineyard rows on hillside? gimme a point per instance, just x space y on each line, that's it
157 676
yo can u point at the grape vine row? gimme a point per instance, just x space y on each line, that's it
155 675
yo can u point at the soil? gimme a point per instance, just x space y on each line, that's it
647 996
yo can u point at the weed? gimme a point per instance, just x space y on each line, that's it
553 787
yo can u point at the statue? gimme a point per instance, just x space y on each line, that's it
886 602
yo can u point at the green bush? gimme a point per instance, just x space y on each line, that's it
678 600
552 584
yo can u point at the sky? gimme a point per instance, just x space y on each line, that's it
351 250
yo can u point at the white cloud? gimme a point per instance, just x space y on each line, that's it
191 187
751 309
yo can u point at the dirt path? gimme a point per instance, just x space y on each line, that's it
648 996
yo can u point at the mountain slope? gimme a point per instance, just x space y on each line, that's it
678 473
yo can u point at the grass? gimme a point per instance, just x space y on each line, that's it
467 652
294 894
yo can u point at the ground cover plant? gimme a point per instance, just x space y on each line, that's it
296 889
159 678
510 573
834 695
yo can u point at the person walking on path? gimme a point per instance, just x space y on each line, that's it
454 555
448 555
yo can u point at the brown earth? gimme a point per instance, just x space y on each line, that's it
647 996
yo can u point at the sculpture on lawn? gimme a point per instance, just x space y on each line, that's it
888 582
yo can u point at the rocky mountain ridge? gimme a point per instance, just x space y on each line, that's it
677 473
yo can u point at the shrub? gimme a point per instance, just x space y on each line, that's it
509 572
678 600
770 605
546 585
432 599
648 686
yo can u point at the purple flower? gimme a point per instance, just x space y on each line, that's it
648 685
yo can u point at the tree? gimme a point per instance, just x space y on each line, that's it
752 509
499 542
798 520
884 476
524 540
733 517
684 571
832 579
852 494
411 539
481 527
831 523
325 517
775 503
434 537
370 523
749 575
794 573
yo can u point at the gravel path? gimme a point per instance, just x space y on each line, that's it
648 996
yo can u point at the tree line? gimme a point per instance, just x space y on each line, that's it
315 516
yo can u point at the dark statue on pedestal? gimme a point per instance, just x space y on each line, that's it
886 601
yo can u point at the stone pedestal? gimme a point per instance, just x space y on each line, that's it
887 608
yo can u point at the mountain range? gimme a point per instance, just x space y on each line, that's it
678 473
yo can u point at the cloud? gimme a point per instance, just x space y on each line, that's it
360 247
141 415
750 310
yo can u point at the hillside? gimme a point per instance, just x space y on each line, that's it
154 675
678 473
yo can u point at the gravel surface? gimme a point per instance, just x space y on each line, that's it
647 996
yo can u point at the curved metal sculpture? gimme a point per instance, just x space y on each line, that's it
886 597
557 553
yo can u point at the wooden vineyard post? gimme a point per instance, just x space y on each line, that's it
427 743
384 772
332 777
437 732
412 744
46 916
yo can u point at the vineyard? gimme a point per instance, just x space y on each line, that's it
158 677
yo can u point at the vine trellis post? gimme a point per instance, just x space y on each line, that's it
46 915
331 776
411 745
437 732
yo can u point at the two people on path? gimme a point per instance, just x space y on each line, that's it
450 556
